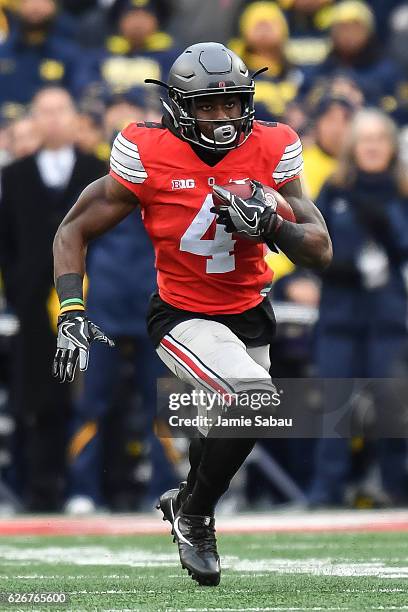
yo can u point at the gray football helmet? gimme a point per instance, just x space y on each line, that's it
209 69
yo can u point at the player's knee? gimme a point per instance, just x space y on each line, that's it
258 396
255 385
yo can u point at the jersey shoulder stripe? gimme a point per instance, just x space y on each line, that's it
292 147
290 164
126 169
126 146
125 160
292 152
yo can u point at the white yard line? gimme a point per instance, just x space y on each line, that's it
97 556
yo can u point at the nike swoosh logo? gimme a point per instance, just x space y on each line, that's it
178 532
250 221
72 338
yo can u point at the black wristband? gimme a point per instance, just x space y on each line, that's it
69 287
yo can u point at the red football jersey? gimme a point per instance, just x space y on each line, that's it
200 267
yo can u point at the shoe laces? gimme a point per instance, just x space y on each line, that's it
202 536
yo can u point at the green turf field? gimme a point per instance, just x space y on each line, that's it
260 572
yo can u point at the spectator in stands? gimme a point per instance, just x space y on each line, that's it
137 52
9 113
39 16
90 134
345 86
99 18
209 20
356 49
35 53
309 23
362 325
101 116
300 111
342 84
121 279
18 139
264 34
36 193
331 119
25 138
132 105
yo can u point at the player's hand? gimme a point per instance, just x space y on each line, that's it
75 334
252 217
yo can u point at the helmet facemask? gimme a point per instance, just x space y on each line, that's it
227 134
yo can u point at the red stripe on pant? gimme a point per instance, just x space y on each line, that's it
200 373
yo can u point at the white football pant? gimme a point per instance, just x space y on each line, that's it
209 356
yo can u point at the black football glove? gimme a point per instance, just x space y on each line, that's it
75 334
254 217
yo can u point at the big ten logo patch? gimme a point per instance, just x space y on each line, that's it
183 184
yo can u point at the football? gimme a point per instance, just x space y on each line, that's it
244 190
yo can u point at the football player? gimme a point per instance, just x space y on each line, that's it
209 319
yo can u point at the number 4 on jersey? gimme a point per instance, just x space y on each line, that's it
220 249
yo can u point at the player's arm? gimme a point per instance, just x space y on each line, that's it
307 242
101 206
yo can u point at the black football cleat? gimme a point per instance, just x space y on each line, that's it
170 502
195 536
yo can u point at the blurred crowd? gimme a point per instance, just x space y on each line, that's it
71 76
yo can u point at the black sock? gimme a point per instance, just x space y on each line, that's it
220 461
194 455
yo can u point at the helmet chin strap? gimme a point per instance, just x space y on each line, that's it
223 134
